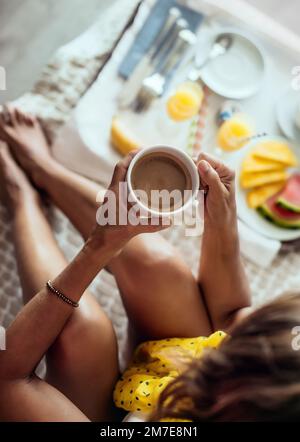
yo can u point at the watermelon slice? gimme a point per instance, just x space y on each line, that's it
279 215
289 197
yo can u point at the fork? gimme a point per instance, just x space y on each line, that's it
154 85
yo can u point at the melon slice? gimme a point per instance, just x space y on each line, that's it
249 180
252 164
289 198
259 195
279 215
275 151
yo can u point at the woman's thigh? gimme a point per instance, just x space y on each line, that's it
83 361
160 294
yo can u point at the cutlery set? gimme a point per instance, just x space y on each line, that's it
149 78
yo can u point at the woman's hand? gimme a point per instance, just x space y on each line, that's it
116 200
217 180
222 278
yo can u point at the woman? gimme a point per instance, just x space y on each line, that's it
162 298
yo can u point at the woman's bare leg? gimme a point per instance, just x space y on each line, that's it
82 363
160 294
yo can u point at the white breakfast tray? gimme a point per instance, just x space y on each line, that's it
95 110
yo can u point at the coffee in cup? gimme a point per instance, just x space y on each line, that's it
162 179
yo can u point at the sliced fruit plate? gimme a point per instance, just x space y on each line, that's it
268 187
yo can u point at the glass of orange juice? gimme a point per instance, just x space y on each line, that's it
235 132
185 102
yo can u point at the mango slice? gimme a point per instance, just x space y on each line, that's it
252 164
259 195
275 151
249 180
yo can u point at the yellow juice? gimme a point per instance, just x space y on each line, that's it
234 133
186 102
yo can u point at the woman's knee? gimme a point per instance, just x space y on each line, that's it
148 253
88 336
160 262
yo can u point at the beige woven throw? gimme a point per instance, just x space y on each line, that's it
63 82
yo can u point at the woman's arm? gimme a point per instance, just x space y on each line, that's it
221 275
24 397
43 318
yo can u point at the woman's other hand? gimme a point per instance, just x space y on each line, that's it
217 180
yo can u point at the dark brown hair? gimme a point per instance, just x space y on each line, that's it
254 375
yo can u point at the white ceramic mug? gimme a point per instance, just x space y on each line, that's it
181 157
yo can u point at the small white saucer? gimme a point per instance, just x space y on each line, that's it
286 108
239 72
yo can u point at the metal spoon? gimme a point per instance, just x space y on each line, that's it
221 45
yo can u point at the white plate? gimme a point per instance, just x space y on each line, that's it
250 216
239 72
286 108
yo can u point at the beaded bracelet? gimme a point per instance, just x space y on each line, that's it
60 295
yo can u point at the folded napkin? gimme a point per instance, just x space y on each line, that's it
257 248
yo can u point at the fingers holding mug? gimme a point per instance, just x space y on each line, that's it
120 171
